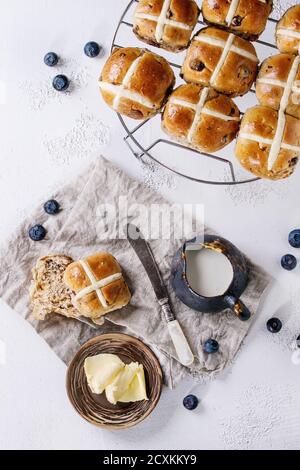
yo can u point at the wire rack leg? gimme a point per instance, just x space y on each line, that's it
175 144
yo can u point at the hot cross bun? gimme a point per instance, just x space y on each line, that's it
288 31
246 18
221 60
201 118
268 143
136 82
278 83
98 285
166 23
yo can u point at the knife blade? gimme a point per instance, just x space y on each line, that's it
146 257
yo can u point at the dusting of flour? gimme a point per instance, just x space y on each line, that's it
155 176
87 133
39 93
260 426
257 192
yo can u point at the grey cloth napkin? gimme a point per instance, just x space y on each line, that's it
75 231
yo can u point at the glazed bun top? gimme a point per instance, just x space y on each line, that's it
247 18
136 82
288 31
201 117
278 83
166 23
268 143
221 60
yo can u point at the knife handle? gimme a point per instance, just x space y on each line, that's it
181 345
182 348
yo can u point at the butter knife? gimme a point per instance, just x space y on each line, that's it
145 255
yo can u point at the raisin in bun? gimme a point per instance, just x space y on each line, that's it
277 81
136 82
288 31
248 18
166 23
268 143
221 60
201 118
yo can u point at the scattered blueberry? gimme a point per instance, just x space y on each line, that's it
289 262
37 233
211 346
51 59
92 49
190 402
294 238
52 207
61 83
274 325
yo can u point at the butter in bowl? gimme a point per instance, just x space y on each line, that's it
114 381
124 383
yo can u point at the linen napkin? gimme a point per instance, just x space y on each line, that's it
77 231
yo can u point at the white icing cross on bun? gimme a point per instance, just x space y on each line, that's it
233 9
280 83
96 286
197 117
200 109
265 141
290 33
277 142
162 21
122 91
227 46
209 112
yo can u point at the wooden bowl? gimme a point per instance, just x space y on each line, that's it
95 408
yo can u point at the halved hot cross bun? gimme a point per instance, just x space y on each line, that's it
288 31
268 143
166 23
221 60
278 83
48 293
247 18
201 118
136 82
98 285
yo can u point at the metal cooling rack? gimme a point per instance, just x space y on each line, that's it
140 151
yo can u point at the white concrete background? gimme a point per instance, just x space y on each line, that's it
256 403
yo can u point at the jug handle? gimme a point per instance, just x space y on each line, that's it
238 307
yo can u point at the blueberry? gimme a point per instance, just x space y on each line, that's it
211 346
51 59
274 325
294 238
288 262
61 83
37 233
52 207
190 402
92 49
298 341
